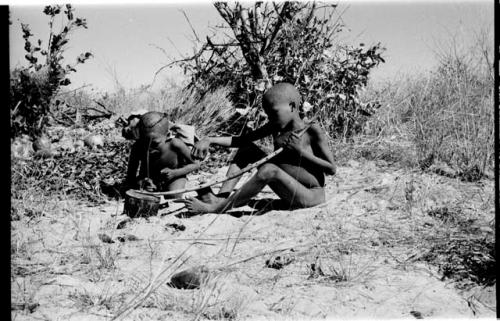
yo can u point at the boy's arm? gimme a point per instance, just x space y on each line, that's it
133 164
183 152
200 149
321 156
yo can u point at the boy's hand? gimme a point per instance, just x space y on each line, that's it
293 143
169 174
147 184
200 149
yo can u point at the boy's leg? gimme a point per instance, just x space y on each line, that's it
244 156
284 185
176 184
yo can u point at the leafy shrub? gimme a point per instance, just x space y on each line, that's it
33 87
288 43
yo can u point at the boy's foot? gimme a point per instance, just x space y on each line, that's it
194 205
207 196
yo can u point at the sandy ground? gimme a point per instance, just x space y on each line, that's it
354 257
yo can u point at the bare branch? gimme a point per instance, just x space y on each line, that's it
225 13
277 26
257 19
71 91
194 57
173 44
190 25
161 49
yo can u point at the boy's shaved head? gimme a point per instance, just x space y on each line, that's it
153 122
282 93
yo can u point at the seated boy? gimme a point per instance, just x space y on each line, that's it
164 161
296 175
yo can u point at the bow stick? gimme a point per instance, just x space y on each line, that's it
238 173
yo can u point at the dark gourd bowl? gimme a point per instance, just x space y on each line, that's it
140 205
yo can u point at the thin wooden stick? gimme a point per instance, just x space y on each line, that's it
234 175
266 252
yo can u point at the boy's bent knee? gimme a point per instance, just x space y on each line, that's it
268 172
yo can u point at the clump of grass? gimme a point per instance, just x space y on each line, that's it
342 263
23 295
217 301
453 119
341 257
447 113
206 112
109 296
469 260
103 256
460 244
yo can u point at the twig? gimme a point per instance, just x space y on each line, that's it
103 106
61 121
146 292
194 57
97 116
190 25
17 106
72 90
265 253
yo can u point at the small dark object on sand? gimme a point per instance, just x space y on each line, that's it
278 262
123 223
416 314
128 237
105 238
315 271
175 226
189 279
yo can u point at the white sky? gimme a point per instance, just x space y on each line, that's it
124 37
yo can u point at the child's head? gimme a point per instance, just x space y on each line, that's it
281 104
131 129
153 128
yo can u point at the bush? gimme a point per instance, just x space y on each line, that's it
447 114
89 174
32 88
288 43
453 114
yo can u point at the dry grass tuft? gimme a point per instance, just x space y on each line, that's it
447 115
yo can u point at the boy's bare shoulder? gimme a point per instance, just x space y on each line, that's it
176 143
316 132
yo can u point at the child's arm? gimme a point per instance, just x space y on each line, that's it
133 165
321 156
201 148
183 152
